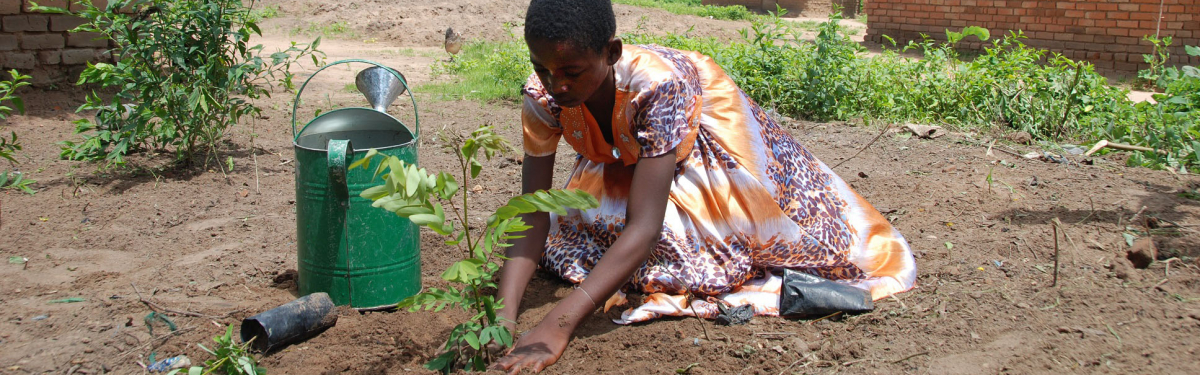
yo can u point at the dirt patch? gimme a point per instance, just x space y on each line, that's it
214 244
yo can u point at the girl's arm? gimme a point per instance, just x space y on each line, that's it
644 214
537 173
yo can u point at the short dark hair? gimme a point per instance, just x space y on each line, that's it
586 23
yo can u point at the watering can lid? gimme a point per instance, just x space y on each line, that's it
349 120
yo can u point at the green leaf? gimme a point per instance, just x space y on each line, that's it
1192 50
68 300
412 180
462 271
472 340
476 167
425 219
442 362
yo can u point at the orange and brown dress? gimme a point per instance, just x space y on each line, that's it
746 197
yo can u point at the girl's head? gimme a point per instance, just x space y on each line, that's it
573 46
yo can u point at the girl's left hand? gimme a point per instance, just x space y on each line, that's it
536 350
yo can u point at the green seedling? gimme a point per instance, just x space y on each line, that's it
434 201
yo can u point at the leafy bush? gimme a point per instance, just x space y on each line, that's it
1170 125
1006 87
185 75
418 195
9 146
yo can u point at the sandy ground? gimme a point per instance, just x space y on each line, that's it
197 240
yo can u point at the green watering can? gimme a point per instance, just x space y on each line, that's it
361 256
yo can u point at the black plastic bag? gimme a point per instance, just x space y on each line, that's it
807 295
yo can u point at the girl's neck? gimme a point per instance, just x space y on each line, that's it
601 104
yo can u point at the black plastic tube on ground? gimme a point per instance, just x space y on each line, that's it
295 321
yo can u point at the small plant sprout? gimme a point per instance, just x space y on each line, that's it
230 358
422 197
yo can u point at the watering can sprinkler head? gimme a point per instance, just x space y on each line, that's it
380 87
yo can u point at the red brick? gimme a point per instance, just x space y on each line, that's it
1085 6
1143 16
1127 24
64 22
77 56
1146 24
1118 15
1056 28
19 60
1118 32
86 40
1074 13
1130 40
42 41
10 6
25 23
8 42
1106 6
98 3
1065 5
50 57
1128 7
1149 8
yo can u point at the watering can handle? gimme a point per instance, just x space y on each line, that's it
416 118
339 152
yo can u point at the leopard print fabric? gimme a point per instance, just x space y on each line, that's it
747 199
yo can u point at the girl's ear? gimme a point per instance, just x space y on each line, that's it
613 51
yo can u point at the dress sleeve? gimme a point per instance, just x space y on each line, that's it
541 128
667 119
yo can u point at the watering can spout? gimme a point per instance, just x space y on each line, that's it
380 87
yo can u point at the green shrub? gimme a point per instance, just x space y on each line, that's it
9 146
185 74
423 197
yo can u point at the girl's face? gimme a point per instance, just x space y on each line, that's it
571 74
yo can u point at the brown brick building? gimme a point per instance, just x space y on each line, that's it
1107 33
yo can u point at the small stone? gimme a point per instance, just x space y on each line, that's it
89 350
1143 253
1023 138
40 318
778 349
798 345
1123 269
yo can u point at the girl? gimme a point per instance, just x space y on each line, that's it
700 191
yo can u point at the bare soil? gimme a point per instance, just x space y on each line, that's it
195 239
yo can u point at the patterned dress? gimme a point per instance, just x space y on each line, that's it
746 198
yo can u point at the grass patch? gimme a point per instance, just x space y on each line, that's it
336 30
484 71
694 8
1004 88
265 12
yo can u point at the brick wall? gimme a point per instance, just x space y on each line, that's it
814 8
40 45
1107 33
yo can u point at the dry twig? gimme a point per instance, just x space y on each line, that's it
860 151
